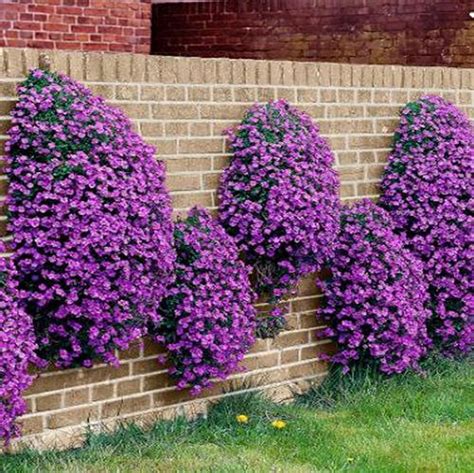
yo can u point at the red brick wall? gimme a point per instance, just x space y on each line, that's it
410 32
88 25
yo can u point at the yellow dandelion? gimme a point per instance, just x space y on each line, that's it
279 424
242 419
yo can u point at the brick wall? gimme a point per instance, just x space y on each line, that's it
411 32
88 25
181 105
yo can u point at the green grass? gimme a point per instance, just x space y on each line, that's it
360 423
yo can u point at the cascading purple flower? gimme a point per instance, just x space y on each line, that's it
17 351
376 297
208 317
279 197
428 189
90 218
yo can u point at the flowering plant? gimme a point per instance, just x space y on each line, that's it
279 197
376 296
208 316
17 350
428 190
90 218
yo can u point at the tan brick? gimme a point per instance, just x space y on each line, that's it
126 406
178 111
222 94
138 68
176 129
328 95
267 360
264 94
347 158
286 93
109 67
6 106
135 110
309 320
201 145
152 129
375 171
31 425
263 72
211 181
102 392
49 402
128 387
289 356
316 111
93 63
188 164
199 93
353 173
185 201
157 381
165 147
152 92
8 89
175 93
199 129
183 182
105 91
260 345
76 397
367 157
308 95
245 94
287 339
127 92
367 188
69 417
345 95
227 111
370 142
343 111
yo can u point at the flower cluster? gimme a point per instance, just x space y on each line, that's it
17 350
428 190
279 196
208 317
376 297
90 218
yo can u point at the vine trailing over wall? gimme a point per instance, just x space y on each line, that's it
17 350
90 218
376 298
428 190
208 317
279 199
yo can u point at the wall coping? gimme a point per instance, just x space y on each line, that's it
126 67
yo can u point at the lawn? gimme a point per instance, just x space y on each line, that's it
362 423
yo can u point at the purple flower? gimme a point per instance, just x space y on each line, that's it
17 350
90 218
376 297
279 197
208 318
428 190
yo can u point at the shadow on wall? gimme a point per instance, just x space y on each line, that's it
426 32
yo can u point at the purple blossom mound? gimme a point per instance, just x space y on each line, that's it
91 221
279 197
208 316
17 350
428 190
376 297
